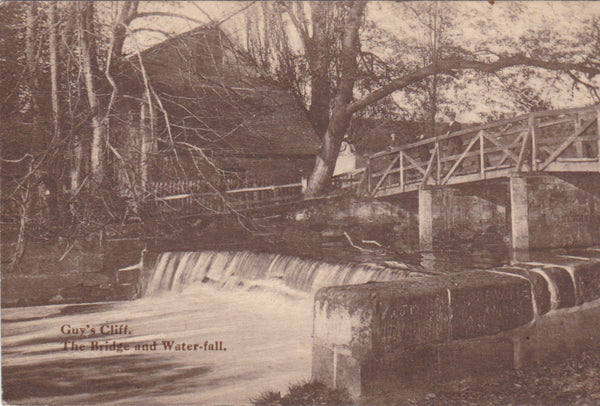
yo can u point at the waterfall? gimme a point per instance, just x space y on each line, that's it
176 270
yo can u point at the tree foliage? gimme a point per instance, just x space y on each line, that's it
449 55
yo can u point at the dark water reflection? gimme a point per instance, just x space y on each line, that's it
441 261
113 378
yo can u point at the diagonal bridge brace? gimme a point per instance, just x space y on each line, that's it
566 144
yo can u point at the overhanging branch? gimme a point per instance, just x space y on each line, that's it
164 14
453 64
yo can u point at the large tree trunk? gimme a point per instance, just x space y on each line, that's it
98 127
126 13
24 215
76 163
325 164
52 44
33 80
26 201
320 95
318 53
68 38
147 125
340 116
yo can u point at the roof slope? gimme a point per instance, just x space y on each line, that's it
216 98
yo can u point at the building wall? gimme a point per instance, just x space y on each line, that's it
259 171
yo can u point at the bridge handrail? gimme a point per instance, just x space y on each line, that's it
564 111
528 142
487 126
443 137
263 188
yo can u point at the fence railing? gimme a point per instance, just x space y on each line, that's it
349 182
552 141
219 197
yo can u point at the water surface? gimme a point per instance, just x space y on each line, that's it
267 337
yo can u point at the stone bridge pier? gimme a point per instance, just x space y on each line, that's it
536 210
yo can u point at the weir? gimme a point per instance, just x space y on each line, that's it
175 270
381 329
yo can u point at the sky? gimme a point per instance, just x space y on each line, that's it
562 15
500 23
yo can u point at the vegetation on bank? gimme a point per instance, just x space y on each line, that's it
574 381
308 393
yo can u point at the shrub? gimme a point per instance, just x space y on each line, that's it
308 393
268 398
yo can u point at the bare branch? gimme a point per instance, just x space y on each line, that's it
156 30
592 89
163 14
300 26
14 161
452 64
234 13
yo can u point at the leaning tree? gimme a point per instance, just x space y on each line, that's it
328 67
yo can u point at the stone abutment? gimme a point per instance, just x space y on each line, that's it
388 337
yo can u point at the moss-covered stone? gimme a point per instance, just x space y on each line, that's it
539 287
485 303
587 279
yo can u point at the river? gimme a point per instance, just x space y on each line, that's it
256 309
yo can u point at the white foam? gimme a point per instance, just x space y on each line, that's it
552 288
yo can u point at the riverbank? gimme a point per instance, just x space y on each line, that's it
572 382
69 270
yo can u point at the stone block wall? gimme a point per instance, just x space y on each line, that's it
55 273
448 215
539 210
68 272
558 210
385 337
562 214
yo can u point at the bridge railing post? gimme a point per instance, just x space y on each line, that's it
578 144
481 156
401 159
598 135
533 132
438 165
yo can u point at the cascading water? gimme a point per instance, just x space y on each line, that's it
265 328
176 270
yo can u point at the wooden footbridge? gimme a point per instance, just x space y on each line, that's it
547 142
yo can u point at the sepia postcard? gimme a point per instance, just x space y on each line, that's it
300 202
